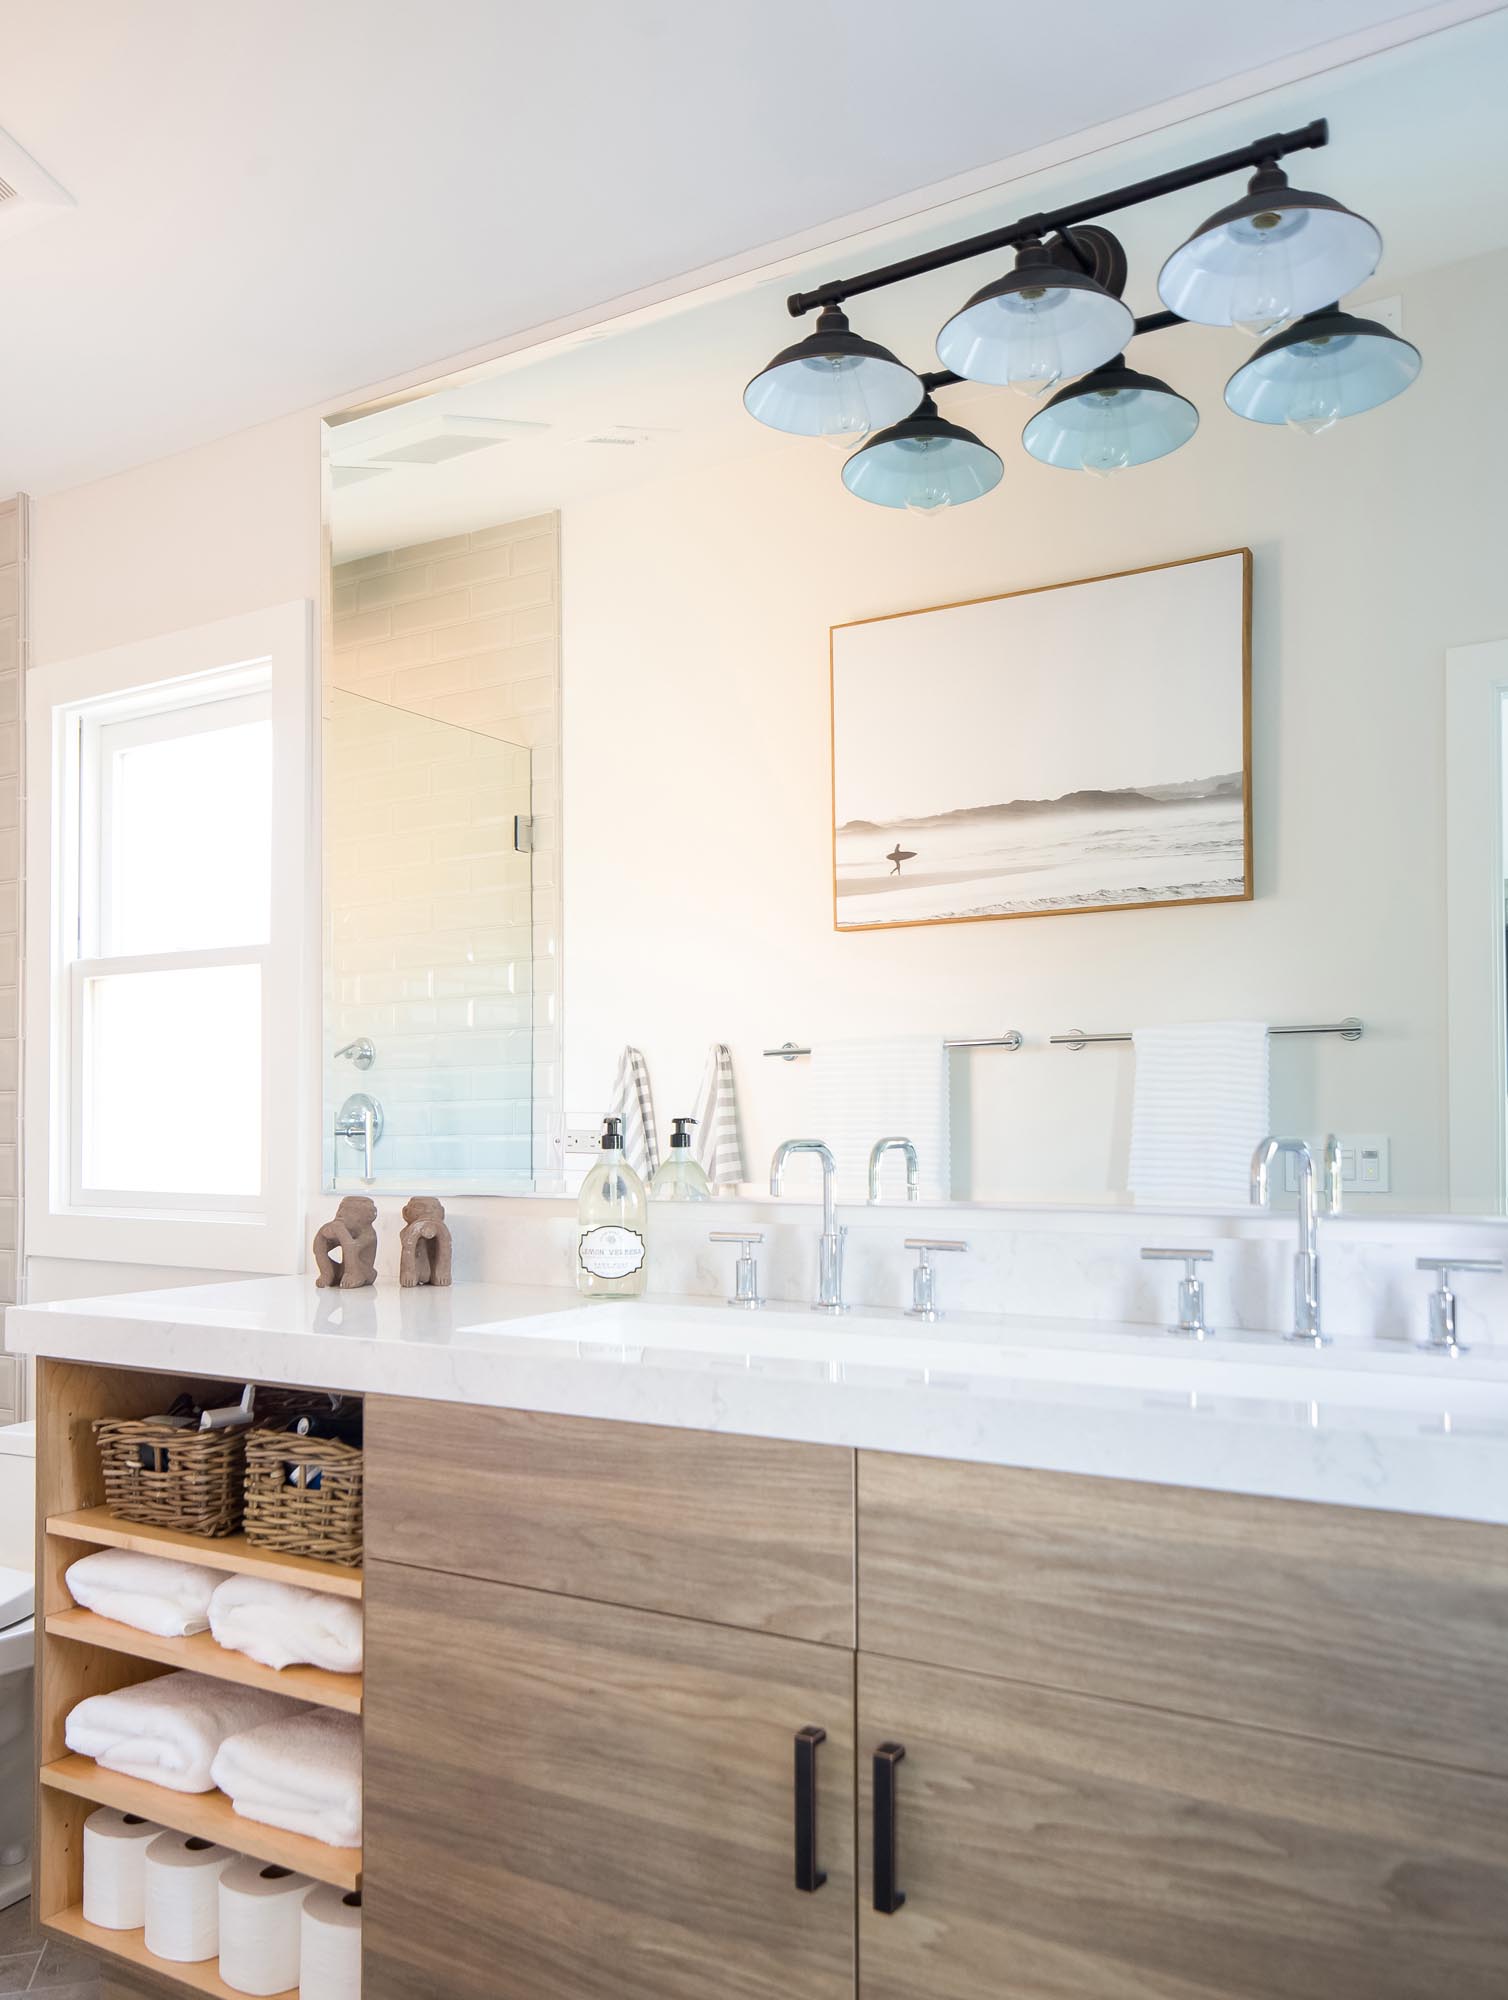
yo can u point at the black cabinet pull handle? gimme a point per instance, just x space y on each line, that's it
809 1877
887 1898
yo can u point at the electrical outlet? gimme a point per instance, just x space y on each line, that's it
583 1138
1366 1164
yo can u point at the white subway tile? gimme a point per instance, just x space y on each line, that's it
425 612
514 593
357 628
396 586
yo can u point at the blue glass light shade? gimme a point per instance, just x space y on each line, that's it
1277 253
1035 326
1111 419
832 384
922 464
1327 365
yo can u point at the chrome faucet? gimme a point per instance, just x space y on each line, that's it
830 1253
877 1153
1306 1275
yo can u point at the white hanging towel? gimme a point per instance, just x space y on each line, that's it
717 1147
882 1089
1199 1112
633 1102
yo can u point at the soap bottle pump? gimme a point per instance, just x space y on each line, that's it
679 1175
611 1224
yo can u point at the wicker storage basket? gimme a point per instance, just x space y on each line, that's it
303 1495
190 1480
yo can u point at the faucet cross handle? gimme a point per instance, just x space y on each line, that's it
924 1279
746 1270
1191 1321
1442 1301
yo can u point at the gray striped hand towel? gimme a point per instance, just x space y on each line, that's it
717 1144
633 1102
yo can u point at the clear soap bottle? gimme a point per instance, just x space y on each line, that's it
611 1224
679 1175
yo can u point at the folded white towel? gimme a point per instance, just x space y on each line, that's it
717 1145
1200 1109
302 1774
633 1101
887 1088
168 1730
153 1593
282 1625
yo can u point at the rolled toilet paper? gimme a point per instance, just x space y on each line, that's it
115 1860
330 1945
260 1908
182 1881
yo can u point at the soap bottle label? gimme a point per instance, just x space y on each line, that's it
609 1252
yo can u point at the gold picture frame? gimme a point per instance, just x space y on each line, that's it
1178 797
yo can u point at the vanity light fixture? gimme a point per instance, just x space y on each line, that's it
1115 417
1047 319
922 464
1327 365
1275 254
834 385
1277 258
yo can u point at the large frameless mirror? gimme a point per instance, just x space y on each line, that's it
593 560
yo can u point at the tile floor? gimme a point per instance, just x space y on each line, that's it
26 1966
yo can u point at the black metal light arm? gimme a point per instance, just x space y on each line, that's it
1051 221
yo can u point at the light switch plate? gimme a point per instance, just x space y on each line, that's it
1366 1164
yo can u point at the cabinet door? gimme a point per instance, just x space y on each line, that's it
1059 1847
567 1800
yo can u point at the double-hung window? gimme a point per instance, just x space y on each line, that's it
169 791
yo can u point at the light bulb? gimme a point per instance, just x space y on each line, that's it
845 408
1036 356
927 490
1316 406
1111 449
1262 297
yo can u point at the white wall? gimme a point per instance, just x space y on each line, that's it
696 781
230 527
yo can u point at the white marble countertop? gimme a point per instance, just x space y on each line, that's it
1371 1424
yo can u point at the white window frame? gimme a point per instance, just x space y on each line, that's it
70 707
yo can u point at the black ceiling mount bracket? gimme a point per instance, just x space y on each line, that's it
1054 222
1097 252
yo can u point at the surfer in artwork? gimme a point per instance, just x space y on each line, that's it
897 855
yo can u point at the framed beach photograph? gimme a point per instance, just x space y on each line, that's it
1073 747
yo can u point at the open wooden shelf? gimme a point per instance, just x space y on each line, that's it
199 1654
130 1948
206 1816
230 1552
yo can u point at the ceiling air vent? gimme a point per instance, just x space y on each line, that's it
27 194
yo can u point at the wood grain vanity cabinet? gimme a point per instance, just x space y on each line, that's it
1055 1846
1075 1818
568 1799
658 1715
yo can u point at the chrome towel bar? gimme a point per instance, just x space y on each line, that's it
1011 1039
1349 1030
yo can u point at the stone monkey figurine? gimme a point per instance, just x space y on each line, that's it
345 1250
424 1245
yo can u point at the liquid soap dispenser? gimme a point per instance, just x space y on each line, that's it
611 1224
679 1175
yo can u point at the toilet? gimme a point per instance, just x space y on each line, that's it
17 1603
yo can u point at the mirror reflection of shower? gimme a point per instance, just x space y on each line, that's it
429 978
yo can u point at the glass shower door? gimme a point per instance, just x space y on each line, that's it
429 1055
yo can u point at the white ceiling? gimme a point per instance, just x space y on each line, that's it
279 201
1417 141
